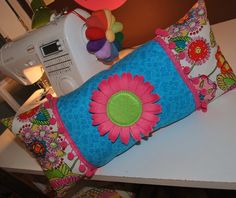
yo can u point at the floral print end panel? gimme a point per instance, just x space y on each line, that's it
192 42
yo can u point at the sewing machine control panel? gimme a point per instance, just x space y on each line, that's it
58 65
56 59
51 48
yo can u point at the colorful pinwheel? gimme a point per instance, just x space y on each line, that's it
104 35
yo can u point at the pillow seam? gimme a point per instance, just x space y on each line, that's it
178 67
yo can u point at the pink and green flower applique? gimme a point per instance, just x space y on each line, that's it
125 106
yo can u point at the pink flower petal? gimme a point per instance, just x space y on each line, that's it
129 76
144 132
137 80
114 82
141 89
97 108
155 108
105 88
105 127
99 118
150 117
150 98
149 89
135 132
124 81
99 97
145 125
114 133
124 135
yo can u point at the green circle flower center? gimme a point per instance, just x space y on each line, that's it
124 108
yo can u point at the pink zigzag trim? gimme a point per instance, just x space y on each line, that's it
180 70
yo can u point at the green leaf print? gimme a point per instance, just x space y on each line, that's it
53 173
180 42
65 169
225 81
61 172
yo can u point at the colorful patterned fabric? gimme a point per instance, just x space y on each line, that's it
161 82
44 134
192 42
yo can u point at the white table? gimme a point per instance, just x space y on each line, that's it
198 151
13 155
5 94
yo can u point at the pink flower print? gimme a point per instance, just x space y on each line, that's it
198 51
124 105
51 160
194 27
177 30
201 14
206 89
26 133
41 133
54 145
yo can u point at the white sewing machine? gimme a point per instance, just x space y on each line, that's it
58 48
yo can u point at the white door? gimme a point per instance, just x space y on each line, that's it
10 26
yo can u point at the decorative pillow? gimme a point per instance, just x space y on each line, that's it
73 135
192 43
161 82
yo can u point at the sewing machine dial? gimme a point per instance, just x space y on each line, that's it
67 84
58 70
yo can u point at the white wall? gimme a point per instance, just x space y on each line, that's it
23 15
10 26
